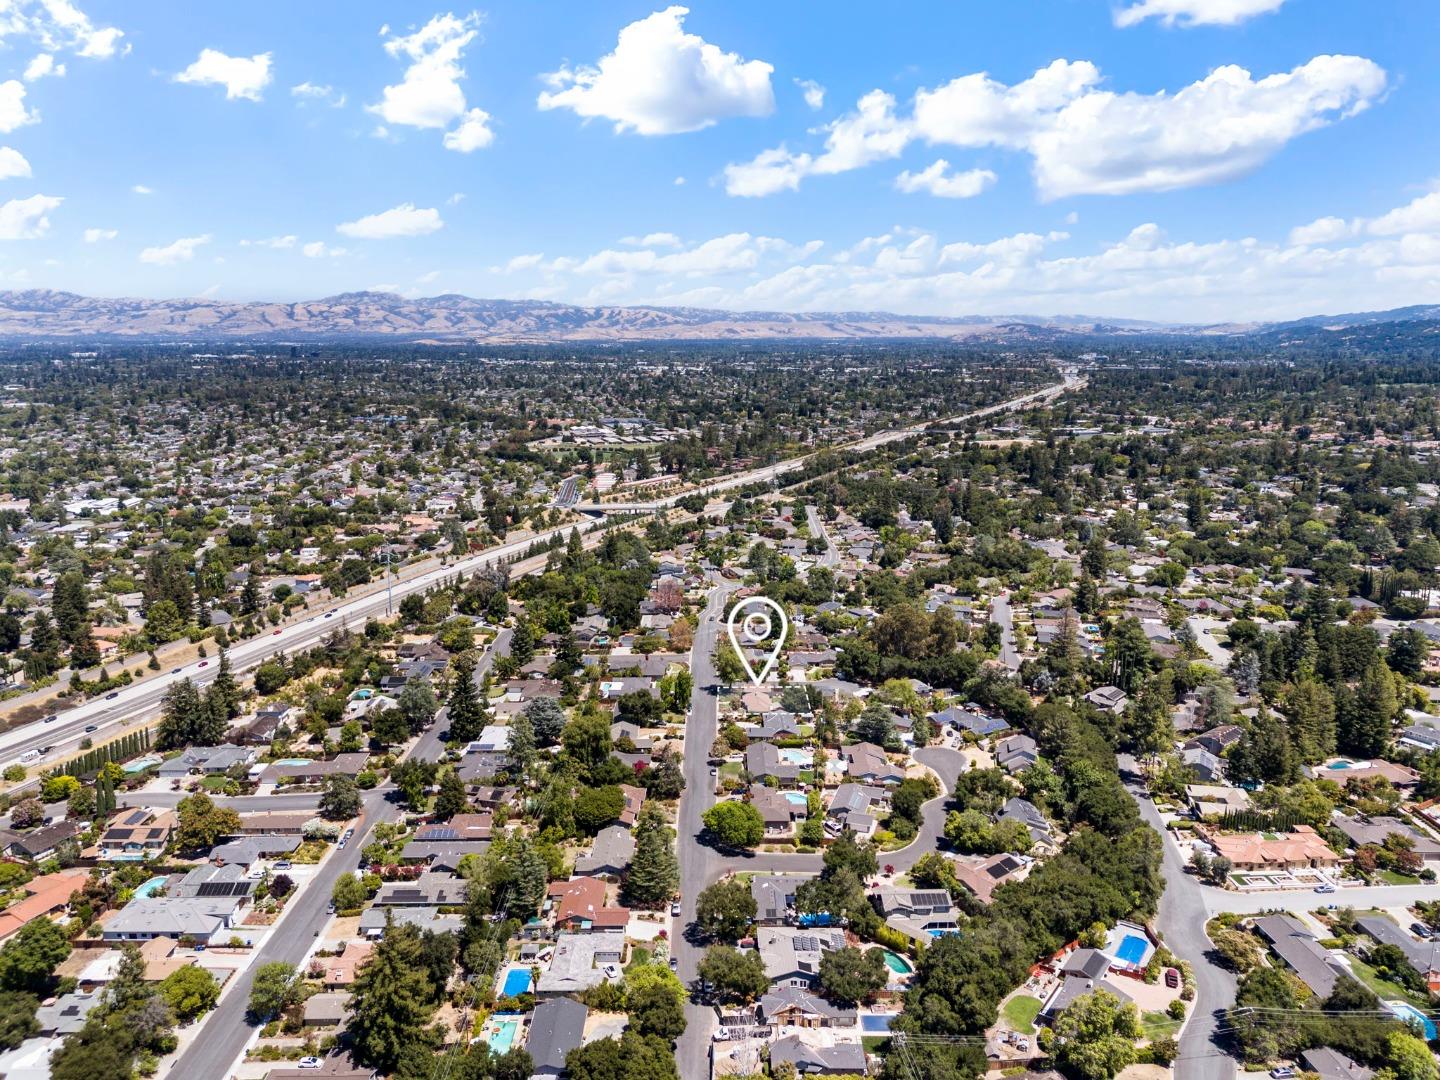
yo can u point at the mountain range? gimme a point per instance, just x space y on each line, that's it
39 315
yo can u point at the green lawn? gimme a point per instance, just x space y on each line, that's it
1390 877
732 769
874 1044
1020 1013
1157 1025
1384 988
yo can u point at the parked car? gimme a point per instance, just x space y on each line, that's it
1420 930
283 864
308 1063
674 963
1284 1072
1326 888
1172 978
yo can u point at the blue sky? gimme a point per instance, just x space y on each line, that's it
1198 160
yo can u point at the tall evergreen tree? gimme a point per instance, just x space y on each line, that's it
1365 726
654 871
180 715
466 712
393 999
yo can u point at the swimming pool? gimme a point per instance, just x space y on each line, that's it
1339 765
517 981
898 964
293 761
796 798
876 1022
1411 1015
1132 950
795 757
150 888
500 1032
139 766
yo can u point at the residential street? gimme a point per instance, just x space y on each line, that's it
831 558
1004 616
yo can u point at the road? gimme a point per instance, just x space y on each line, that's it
227 1032
831 558
1205 630
1004 616
948 765
1183 913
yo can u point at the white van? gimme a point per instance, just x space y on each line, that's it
29 756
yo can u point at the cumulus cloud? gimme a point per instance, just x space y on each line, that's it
1195 12
654 239
660 80
58 25
472 133
1386 260
96 236
27 219
1086 140
813 92
318 92
937 179
12 163
182 250
13 113
429 94
404 220
42 65
318 249
279 243
141 189
244 78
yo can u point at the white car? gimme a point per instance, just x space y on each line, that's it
308 1063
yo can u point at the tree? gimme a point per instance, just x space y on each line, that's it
1406 651
849 853
17 1018
632 1056
547 718
416 703
658 1010
1095 1036
596 807
522 746
851 975
1365 727
31 955
190 991
877 725
587 740
181 716
464 709
664 778
1409 1058
654 872
393 999
340 800
200 823
725 910
734 824
451 799
275 989
349 893
735 975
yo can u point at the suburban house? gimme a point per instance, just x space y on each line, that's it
582 961
763 763
1424 956
919 914
556 1028
1110 699
47 897
1361 831
792 955
778 812
795 1006
774 896
579 906
1302 847
1301 952
836 1059
610 855
868 763
982 875
136 835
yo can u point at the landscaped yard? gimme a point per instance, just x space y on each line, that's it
1384 988
1020 1013
1157 1025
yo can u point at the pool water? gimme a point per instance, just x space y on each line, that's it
1339 765
1132 950
150 888
898 964
139 766
517 981
875 1022
501 1032
1407 1012
796 798
795 757
293 761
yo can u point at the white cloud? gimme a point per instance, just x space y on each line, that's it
654 239
1085 140
12 163
456 199
1321 231
280 243
42 65
13 113
429 95
1195 12
1419 215
95 236
521 262
662 81
242 77
403 220
679 181
58 25
326 94
937 179
472 133
813 92
26 219
427 278
141 189
318 249
182 250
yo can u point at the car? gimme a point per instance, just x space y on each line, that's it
203 663
1326 888
675 908
1284 1072
51 718
342 842
714 771
1420 930
674 963
329 614
311 1062
330 910
112 695
276 632
283 864
90 727
174 671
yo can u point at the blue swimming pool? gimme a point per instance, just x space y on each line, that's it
1339 765
796 798
293 761
795 756
517 981
500 1032
150 888
1411 1015
1132 949
875 1023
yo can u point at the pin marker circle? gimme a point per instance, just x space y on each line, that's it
753 618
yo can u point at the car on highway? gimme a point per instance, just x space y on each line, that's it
329 614
203 663
276 633
90 727
51 718
174 671
112 695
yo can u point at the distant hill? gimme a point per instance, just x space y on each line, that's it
44 314
38 315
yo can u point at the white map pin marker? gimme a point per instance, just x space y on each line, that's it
756 626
